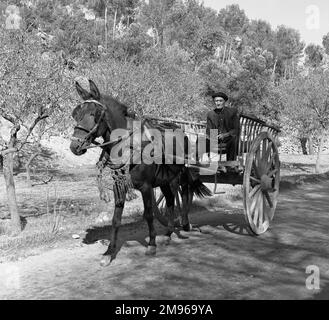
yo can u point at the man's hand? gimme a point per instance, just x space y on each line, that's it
223 135
231 133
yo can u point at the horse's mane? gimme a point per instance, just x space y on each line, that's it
117 105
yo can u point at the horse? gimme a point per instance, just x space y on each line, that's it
100 115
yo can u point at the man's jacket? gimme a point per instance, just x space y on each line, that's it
224 120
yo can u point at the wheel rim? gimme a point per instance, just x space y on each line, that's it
261 183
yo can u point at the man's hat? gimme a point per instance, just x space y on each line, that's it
220 94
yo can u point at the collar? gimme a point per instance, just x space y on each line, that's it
218 111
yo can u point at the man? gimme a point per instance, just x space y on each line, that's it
226 121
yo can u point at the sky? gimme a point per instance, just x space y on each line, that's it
309 17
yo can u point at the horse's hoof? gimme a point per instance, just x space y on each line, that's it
151 251
104 242
105 261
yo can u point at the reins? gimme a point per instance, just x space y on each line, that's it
95 128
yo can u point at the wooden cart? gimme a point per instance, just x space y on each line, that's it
257 168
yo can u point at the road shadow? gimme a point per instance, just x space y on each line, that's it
225 264
199 217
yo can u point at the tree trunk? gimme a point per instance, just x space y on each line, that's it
274 68
114 23
224 53
229 53
318 159
8 164
161 39
303 145
105 20
27 167
310 146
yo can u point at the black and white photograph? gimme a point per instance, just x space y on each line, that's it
164 154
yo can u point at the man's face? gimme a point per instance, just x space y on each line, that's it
219 102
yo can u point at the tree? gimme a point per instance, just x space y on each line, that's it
325 43
165 84
233 20
314 55
307 106
287 51
156 14
196 29
30 88
131 44
259 34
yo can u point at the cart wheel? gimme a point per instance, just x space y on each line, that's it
160 207
261 183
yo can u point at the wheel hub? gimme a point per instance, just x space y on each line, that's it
265 183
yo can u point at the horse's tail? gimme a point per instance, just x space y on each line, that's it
197 186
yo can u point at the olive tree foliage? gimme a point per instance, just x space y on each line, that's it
31 90
164 85
306 107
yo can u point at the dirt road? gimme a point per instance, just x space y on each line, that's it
221 262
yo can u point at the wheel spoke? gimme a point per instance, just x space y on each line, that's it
272 172
254 191
268 198
261 210
254 202
258 157
264 149
255 169
254 179
268 157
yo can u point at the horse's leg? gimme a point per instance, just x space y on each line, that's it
147 194
116 223
170 201
187 197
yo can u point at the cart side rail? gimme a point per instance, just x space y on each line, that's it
250 127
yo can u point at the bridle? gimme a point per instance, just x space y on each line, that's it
91 132
94 130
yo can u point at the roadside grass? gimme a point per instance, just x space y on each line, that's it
69 204
52 213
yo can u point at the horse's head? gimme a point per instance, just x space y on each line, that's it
90 117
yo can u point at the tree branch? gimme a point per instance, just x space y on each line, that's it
39 118
7 116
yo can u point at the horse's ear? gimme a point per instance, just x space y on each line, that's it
84 94
94 90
